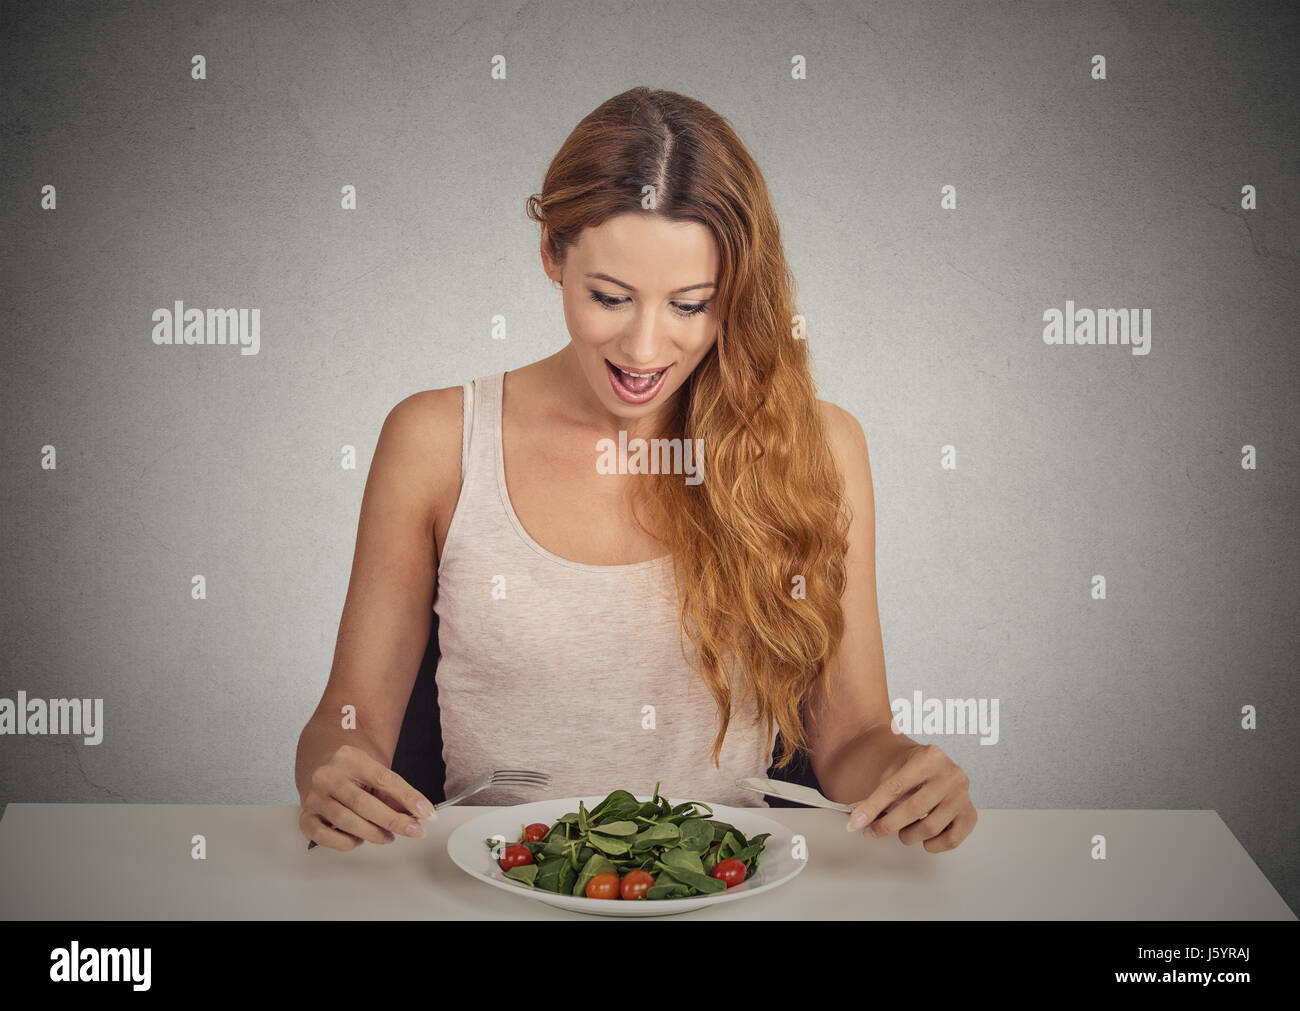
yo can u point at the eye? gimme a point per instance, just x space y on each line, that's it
684 309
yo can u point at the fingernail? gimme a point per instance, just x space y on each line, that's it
425 809
856 822
414 830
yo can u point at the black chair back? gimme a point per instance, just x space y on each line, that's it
418 758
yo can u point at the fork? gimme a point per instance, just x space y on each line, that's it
498 777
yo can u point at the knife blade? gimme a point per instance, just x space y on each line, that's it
791 791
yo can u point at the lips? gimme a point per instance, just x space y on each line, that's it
633 388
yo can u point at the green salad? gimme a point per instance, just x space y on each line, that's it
631 849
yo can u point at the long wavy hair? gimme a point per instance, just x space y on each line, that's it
759 545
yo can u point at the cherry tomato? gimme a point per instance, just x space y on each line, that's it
635 883
603 886
536 832
730 871
516 855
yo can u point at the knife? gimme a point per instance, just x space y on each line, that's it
791 791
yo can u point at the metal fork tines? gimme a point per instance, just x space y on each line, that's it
500 777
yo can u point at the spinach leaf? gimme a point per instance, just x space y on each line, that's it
548 874
617 828
567 875
608 844
754 848
684 860
660 834
527 873
619 804
649 810
700 882
668 890
697 835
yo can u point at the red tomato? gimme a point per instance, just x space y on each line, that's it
516 855
730 871
536 832
603 886
635 883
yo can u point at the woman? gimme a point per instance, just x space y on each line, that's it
608 620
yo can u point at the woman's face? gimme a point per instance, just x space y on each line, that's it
638 296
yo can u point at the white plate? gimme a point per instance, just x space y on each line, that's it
469 851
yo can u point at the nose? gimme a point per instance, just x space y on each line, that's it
641 347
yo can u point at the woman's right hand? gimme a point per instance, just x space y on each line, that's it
353 797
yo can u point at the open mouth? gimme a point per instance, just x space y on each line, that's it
635 387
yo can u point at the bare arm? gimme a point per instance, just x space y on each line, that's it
387 615
852 742
894 783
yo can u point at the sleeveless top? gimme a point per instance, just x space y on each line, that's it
566 668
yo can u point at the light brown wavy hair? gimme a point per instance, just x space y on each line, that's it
771 504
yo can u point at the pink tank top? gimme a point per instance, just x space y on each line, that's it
570 669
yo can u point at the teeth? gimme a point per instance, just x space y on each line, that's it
639 375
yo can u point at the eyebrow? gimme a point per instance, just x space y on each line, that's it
675 291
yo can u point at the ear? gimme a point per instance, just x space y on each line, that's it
549 265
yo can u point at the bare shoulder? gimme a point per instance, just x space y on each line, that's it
424 432
435 418
848 440
849 447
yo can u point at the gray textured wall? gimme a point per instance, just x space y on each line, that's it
926 323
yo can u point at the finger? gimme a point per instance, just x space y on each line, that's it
334 780
907 810
953 836
891 789
373 810
367 769
347 820
325 808
939 818
349 779
324 835
394 802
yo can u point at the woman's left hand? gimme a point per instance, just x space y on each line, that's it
930 799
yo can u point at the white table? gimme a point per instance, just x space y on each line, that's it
132 862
